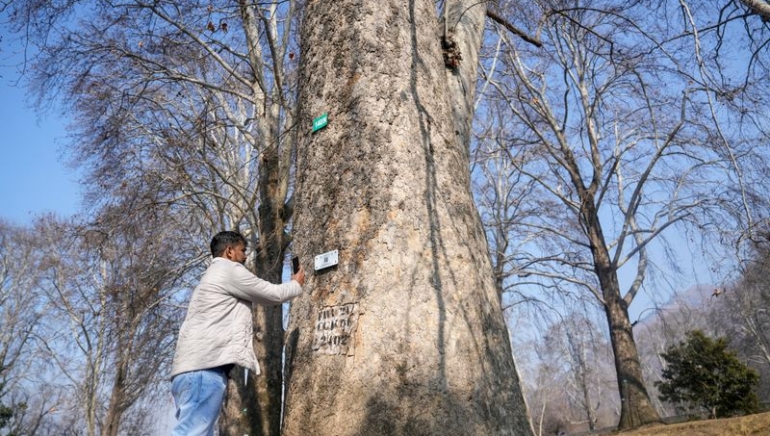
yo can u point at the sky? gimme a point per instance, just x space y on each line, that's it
34 179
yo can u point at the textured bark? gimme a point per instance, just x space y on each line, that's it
115 411
253 404
636 407
387 184
254 408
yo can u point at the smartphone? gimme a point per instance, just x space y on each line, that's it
295 264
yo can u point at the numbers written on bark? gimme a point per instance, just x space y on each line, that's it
334 329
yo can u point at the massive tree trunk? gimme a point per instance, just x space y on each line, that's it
405 334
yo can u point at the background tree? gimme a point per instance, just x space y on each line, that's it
615 161
665 325
17 324
193 102
740 314
141 280
575 357
703 373
502 194
109 330
22 315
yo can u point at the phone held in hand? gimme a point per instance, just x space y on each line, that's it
295 264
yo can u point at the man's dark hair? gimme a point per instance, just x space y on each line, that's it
225 239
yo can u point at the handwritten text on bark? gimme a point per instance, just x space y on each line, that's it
334 329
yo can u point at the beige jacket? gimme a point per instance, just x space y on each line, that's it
218 327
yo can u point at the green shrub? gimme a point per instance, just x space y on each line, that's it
703 373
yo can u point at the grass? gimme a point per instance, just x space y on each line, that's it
752 425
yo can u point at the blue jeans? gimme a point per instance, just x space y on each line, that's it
198 396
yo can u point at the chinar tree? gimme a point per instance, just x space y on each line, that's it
187 103
400 330
623 135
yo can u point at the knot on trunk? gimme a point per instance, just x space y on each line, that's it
451 51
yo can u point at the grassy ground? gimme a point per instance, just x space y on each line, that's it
752 425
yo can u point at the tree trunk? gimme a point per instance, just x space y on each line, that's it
405 334
253 405
115 409
636 408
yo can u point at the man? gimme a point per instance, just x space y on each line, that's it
217 333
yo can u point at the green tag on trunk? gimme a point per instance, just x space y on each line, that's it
320 122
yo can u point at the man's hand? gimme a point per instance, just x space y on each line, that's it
300 276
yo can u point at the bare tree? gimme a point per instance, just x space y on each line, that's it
665 326
586 348
570 382
108 329
730 60
615 160
195 100
502 194
22 311
739 312
141 278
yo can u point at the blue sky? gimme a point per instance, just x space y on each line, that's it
34 179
